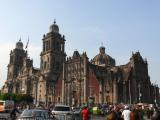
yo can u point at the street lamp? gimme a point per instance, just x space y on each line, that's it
22 90
155 96
140 94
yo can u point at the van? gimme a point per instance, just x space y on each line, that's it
6 105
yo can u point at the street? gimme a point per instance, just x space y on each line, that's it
5 116
97 118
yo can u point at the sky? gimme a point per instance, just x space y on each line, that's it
122 26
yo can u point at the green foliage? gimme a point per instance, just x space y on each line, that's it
18 98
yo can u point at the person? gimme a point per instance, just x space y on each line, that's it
28 107
50 111
126 113
13 113
85 113
134 114
112 115
156 114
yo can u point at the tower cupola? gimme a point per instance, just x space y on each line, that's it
19 44
54 27
102 50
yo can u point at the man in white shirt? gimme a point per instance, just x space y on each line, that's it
126 113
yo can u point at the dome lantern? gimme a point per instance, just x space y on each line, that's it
19 44
54 27
102 50
102 59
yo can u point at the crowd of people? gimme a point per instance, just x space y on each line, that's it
133 112
125 112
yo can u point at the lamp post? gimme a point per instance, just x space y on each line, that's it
140 94
22 90
108 99
155 96
54 98
130 97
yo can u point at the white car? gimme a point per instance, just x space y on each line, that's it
63 112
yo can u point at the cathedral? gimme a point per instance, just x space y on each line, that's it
76 80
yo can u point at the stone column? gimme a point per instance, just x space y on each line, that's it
115 92
85 80
63 85
100 92
124 93
134 89
68 93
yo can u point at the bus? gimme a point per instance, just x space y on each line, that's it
6 105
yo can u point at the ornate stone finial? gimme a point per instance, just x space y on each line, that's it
54 21
102 49
54 27
20 39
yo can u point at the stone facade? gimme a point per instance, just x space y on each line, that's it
76 80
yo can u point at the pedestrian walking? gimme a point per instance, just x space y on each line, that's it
126 113
85 113
13 113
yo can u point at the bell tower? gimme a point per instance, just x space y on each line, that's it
16 61
53 53
15 64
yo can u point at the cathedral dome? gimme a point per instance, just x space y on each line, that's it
54 27
103 59
19 45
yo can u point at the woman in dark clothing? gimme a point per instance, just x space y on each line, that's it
13 113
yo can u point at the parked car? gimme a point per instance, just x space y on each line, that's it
35 114
6 105
77 113
63 112
77 110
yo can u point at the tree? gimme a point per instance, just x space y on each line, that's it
18 98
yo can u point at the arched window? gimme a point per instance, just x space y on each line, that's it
59 99
41 62
57 65
53 65
45 65
48 61
43 46
61 47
